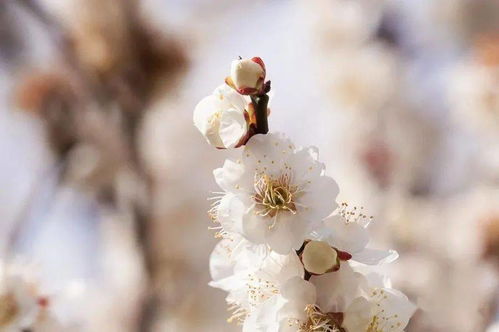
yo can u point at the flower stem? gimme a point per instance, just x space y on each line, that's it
260 103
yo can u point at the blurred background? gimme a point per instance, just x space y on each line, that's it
104 178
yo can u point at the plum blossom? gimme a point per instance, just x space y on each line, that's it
222 118
287 263
284 312
275 194
473 96
381 309
384 310
21 304
223 259
257 276
18 305
307 306
339 301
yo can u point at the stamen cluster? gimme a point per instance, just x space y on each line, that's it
274 195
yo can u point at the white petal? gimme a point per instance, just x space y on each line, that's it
229 284
230 97
397 309
358 315
337 289
287 234
221 264
233 127
264 317
299 293
230 176
291 267
378 280
350 237
230 212
267 153
299 290
319 198
304 163
206 120
254 227
375 256
203 111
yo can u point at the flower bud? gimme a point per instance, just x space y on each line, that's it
247 76
222 118
319 257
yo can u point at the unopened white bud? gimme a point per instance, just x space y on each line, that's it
319 257
247 75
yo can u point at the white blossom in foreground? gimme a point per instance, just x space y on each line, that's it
257 275
307 306
335 302
285 311
275 194
382 309
222 117
347 232
223 260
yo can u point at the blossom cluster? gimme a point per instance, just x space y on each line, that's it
23 305
290 257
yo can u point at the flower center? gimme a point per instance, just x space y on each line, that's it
318 321
274 195
8 309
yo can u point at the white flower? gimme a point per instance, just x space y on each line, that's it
474 98
256 276
19 305
284 312
308 306
222 117
383 310
336 290
333 302
247 75
347 231
362 80
380 309
338 24
233 248
276 194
